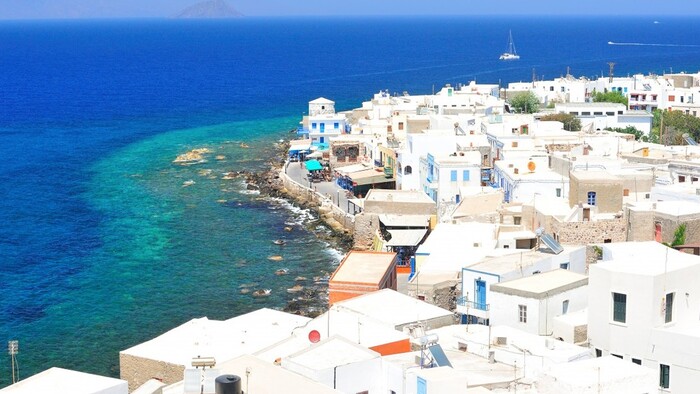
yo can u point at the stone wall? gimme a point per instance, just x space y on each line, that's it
138 370
366 225
582 233
641 225
332 215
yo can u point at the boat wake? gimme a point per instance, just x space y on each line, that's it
642 44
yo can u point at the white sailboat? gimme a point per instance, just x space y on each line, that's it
510 53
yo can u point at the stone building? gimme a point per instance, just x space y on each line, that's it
599 189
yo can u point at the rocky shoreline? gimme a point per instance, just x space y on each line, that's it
313 300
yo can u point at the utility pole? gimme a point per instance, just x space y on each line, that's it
12 350
612 71
534 77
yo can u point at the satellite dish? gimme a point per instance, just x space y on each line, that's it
314 336
531 166
539 231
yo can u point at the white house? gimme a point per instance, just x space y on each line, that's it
478 278
531 303
605 375
442 177
323 122
643 308
339 364
600 116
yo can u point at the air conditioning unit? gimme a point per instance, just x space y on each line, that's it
501 341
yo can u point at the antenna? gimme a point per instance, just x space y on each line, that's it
12 350
611 73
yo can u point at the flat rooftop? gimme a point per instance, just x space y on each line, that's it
65 381
223 340
392 307
525 258
330 353
381 195
594 176
363 267
648 258
542 285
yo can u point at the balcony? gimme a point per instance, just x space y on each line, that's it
472 308
388 171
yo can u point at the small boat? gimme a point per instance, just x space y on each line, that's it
279 242
282 271
262 293
244 145
188 183
300 278
295 289
275 258
244 290
510 53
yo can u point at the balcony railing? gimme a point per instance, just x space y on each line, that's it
462 301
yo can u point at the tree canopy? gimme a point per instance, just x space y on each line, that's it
525 102
571 122
675 124
609 97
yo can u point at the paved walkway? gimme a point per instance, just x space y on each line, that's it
331 190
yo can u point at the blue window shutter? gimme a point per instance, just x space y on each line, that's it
465 175
453 175
313 125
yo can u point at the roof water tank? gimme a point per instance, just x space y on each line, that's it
228 384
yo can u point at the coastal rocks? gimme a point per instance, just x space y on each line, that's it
195 156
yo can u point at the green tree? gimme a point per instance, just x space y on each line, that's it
571 122
675 125
525 102
679 235
638 135
609 97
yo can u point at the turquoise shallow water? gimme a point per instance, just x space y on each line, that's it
170 252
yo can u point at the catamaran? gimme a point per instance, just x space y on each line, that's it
510 53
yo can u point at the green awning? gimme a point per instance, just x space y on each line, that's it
313 165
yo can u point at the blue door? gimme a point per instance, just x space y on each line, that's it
322 139
323 127
480 290
422 386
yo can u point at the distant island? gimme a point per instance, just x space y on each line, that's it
209 9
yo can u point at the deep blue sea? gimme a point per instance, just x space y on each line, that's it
101 244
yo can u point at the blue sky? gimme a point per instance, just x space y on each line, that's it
155 8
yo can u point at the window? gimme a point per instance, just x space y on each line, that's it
313 126
591 198
598 353
586 113
616 355
564 307
664 376
597 113
671 98
619 307
516 220
522 313
551 88
453 176
514 144
668 306
558 192
564 266
625 192
400 125
465 175
336 125
681 178
637 361
408 170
